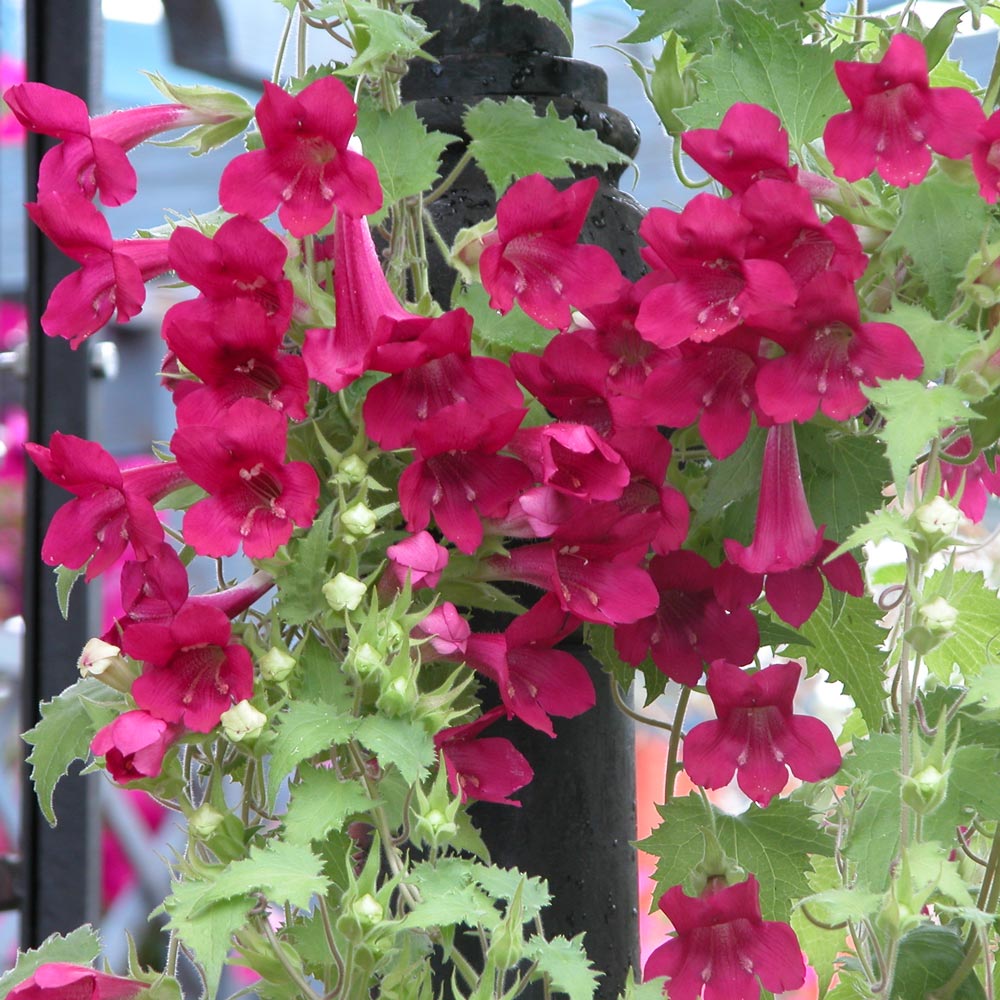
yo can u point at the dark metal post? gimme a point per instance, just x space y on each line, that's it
578 816
61 866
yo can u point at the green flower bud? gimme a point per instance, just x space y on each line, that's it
368 909
938 616
358 520
344 592
104 662
398 696
353 469
938 518
367 660
243 722
276 665
925 790
204 821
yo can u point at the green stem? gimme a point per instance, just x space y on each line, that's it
904 720
300 46
993 87
463 161
675 743
616 695
859 24
675 149
282 46
264 926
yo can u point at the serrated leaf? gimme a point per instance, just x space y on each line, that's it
510 141
503 883
820 945
928 957
551 10
967 793
207 933
773 844
566 963
306 728
761 63
300 597
775 633
381 36
834 906
401 742
698 22
384 135
449 896
881 525
285 873
62 736
915 414
321 801
941 225
501 335
978 607
843 477
65 579
931 871
79 947
849 652
940 344
653 989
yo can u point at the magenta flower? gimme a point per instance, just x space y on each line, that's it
152 590
749 144
533 257
795 594
256 498
756 736
242 261
365 305
417 558
112 275
722 948
133 747
974 482
91 159
896 115
192 671
488 769
112 508
830 354
305 169
785 535
693 622
986 158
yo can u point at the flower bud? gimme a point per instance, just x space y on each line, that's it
353 469
368 909
938 616
367 660
924 791
344 592
938 518
276 665
358 520
243 722
399 696
104 662
204 821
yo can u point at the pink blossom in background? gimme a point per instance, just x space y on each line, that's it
12 132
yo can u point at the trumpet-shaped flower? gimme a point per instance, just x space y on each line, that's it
133 747
723 949
305 169
756 736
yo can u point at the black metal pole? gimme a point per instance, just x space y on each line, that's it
60 867
578 817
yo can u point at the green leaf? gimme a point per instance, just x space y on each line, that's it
760 63
941 225
940 344
566 963
551 10
383 136
967 793
206 930
449 896
775 633
306 729
62 736
881 525
915 414
928 957
300 597
80 947
834 906
381 36
285 873
849 652
503 883
654 989
871 772
843 477
978 608
774 844
401 742
211 100
65 579
502 335
698 21
321 801
820 945
510 141
733 479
